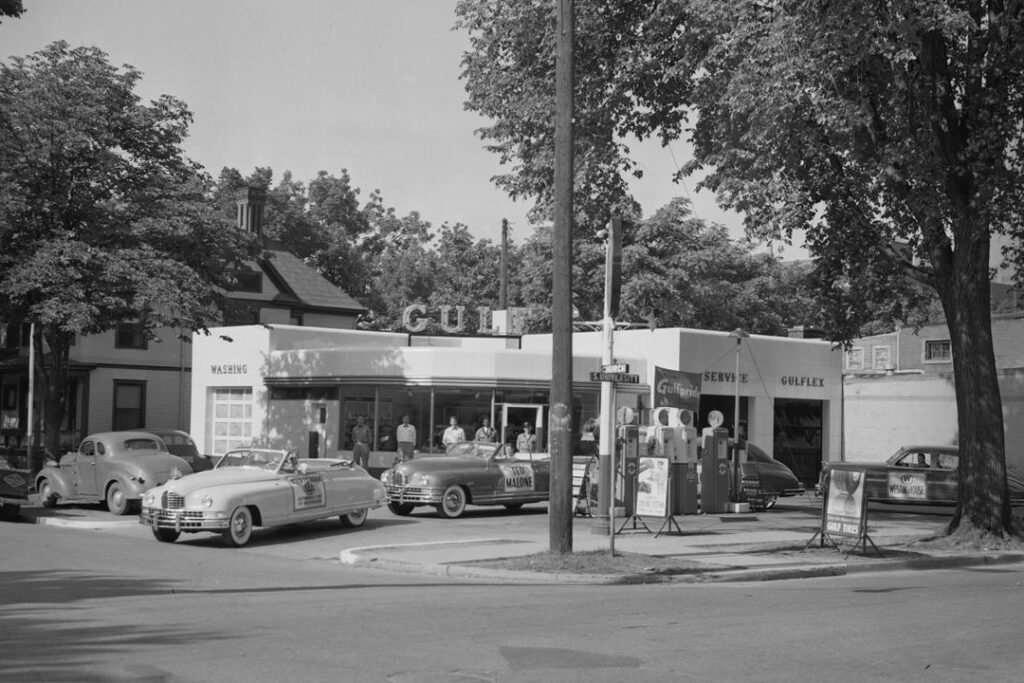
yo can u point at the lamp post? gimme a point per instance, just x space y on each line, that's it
739 334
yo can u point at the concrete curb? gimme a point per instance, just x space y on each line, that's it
353 557
82 523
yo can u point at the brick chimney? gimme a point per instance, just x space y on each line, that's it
249 203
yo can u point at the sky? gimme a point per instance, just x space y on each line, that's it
371 86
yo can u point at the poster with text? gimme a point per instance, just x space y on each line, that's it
652 488
844 507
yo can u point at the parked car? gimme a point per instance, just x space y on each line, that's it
469 473
112 467
776 480
179 443
917 475
259 487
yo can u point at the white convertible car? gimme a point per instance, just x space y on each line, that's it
253 487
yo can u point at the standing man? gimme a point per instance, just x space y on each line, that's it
454 434
526 442
361 436
486 433
405 435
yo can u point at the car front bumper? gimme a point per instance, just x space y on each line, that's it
420 495
183 520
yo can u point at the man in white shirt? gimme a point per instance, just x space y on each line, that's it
454 434
405 435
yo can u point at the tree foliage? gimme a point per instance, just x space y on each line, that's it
102 218
888 131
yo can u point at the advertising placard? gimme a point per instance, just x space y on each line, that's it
844 513
652 487
677 389
907 486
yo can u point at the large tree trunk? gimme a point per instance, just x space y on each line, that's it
964 288
54 369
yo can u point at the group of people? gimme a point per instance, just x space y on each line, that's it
405 436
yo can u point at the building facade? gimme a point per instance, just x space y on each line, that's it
122 380
305 389
899 389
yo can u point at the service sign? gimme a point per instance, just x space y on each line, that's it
845 514
517 476
308 491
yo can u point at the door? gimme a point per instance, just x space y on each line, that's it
510 419
85 474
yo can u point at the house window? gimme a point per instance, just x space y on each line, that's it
855 358
129 405
232 418
296 318
882 357
938 351
249 281
130 336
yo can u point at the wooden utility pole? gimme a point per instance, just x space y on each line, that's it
560 414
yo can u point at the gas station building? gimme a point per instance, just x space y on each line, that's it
303 387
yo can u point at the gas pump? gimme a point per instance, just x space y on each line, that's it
714 473
675 431
629 454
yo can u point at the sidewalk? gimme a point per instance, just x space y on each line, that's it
761 546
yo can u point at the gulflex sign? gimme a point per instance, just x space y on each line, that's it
415 319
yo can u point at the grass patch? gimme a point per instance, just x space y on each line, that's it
593 562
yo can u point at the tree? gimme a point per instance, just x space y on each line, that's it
104 219
11 8
889 132
683 271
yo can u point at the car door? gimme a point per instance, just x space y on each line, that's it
345 487
85 474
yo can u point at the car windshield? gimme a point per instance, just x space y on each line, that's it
264 460
475 450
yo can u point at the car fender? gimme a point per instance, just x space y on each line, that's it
131 488
59 479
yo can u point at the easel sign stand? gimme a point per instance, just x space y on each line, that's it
653 495
845 512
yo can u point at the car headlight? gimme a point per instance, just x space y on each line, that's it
206 501
385 477
148 499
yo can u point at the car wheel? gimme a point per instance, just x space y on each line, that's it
513 506
9 512
401 509
166 535
770 501
47 498
239 529
117 503
354 519
453 502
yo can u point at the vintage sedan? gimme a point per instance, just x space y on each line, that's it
260 487
469 473
917 475
181 444
773 478
112 467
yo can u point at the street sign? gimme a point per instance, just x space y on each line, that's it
615 367
618 377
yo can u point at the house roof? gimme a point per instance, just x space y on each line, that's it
302 285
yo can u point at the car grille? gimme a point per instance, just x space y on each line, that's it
172 501
414 494
398 479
